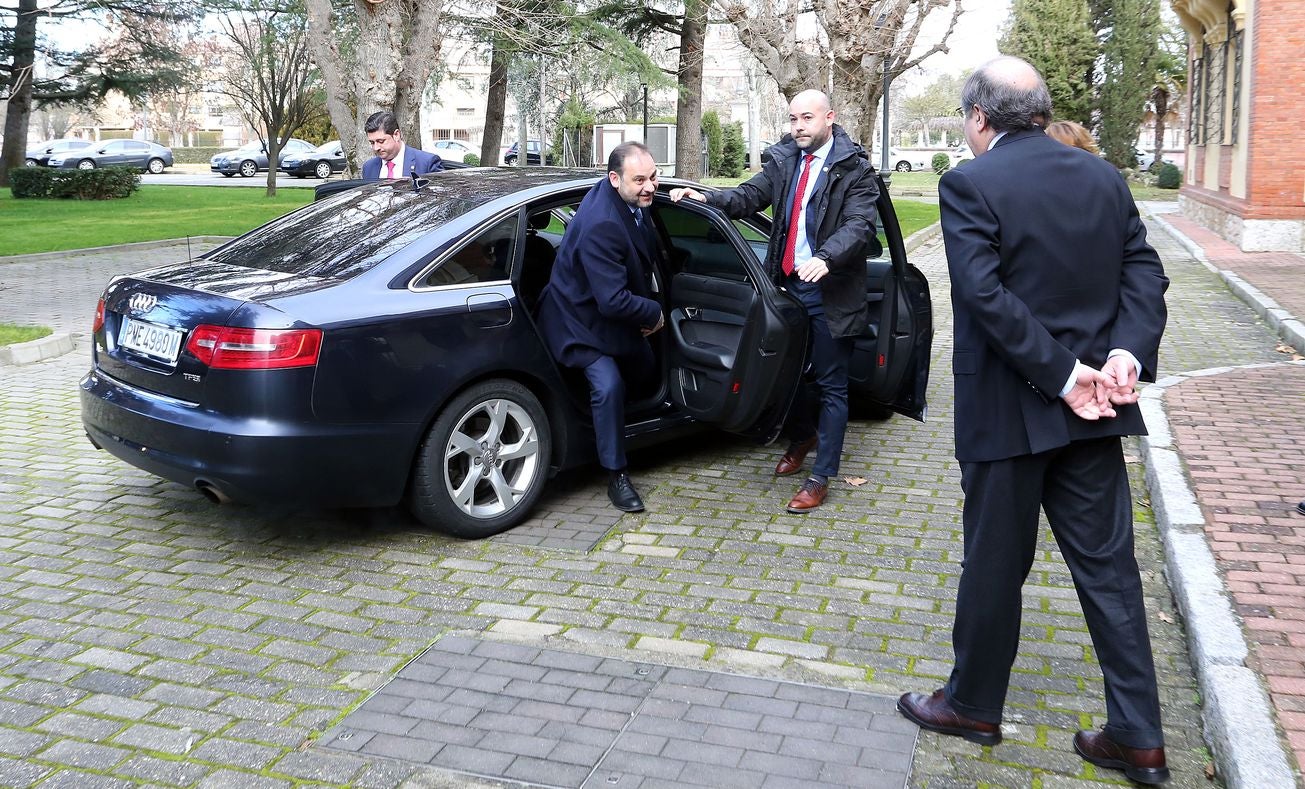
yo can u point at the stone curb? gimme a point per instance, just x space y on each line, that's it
921 236
1239 721
37 257
1289 327
35 351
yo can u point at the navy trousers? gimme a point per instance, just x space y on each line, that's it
607 378
1083 488
823 413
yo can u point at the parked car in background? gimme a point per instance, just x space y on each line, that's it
765 152
321 162
145 156
532 153
39 155
905 161
251 159
378 345
453 150
960 153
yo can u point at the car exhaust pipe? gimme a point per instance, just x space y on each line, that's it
211 492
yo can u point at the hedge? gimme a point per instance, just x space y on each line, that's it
102 183
197 155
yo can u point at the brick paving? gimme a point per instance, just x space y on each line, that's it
149 637
1275 273
1242 442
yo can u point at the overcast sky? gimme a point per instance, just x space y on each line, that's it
972 42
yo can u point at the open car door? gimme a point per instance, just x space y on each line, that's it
890 361
735 342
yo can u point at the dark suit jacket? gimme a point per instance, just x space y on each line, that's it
840 221
419 161
1049 263
598 294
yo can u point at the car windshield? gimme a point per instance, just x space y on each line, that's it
326 147
344 235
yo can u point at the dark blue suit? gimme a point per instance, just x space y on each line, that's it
597 299
1049 263
418 161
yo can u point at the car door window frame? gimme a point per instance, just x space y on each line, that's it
446 253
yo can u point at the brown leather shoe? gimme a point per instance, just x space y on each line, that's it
791 463
809 496
1143 765
935 713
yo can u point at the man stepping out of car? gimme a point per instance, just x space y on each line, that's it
596 311
823 192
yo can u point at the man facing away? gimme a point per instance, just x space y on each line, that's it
1058 305
394 158
597 309
822 190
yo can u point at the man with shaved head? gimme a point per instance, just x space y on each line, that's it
823 191
1058 305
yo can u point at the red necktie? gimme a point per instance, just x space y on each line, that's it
790 240
389 169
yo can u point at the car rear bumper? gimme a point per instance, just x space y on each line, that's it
247 459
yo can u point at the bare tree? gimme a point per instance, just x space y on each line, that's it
375 56
855 43
271 77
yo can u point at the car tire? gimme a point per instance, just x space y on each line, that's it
322 170
510 161
30 163
155 165
86 164
903 167
248 168
445 496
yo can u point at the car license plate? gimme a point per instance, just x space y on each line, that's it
150 339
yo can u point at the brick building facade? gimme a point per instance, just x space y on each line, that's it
1245 167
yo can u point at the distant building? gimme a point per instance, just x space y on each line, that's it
1245 169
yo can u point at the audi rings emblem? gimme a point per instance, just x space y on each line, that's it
142 302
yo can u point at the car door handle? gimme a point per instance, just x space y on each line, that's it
489 310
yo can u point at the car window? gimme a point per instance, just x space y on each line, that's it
349 233
133 145
698 245
484 259
116 146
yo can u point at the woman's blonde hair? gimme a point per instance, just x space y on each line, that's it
1072 134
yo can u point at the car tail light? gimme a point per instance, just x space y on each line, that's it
231 348
98 322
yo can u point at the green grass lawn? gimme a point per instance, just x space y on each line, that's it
155 212
10 334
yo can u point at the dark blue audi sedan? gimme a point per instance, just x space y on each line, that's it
379 345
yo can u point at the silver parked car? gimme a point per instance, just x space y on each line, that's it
142 155
39 155
250 159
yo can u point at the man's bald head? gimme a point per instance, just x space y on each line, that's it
811 119
1011 93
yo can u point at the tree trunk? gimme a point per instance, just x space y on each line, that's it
321 38
19 110
273 159
688 107
1160 99
496 103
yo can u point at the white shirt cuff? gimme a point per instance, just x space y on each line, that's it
1073 377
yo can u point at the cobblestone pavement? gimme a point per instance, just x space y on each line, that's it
149 637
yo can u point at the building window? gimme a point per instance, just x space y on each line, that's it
1196 127
1238 42
466 110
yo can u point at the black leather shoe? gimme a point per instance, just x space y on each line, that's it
1143 765
623 495
935 713
1301 508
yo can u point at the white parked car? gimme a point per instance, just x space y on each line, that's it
905 161
453 150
